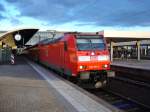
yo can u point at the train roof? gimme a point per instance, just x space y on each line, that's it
74 32
58 35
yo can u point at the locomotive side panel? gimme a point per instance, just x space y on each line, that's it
66 54
72 53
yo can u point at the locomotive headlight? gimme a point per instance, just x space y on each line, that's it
105 65
83 58
81 67
92 53
103 58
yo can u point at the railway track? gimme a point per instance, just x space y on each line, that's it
119 101
119 98
127 94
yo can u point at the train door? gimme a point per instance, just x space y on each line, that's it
65 55
62 56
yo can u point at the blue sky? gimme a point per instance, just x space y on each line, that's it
76 15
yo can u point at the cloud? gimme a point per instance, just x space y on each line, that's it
15 21
97 12
51 11
118 13
136 18
2 9
1 17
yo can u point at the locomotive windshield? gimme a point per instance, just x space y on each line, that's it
90 43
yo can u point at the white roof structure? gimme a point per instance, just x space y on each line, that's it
125 36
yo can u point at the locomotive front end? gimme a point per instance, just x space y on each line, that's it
93 58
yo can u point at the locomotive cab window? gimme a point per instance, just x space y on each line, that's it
90 43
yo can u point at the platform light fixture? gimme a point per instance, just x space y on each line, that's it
18 37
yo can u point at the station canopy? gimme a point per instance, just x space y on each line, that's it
125 36
8 38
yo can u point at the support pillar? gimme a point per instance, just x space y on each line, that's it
145 50
138 51
111 51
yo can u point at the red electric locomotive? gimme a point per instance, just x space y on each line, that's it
83 56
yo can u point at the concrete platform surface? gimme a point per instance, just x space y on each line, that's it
23 90
28 87
81 100
133 63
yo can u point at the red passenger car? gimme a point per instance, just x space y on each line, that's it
83 56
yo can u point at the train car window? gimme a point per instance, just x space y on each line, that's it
65 46
90 43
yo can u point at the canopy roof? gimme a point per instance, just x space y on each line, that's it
26 34
125 36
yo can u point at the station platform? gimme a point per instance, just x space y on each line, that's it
132 69
132 63
134 78
28 87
